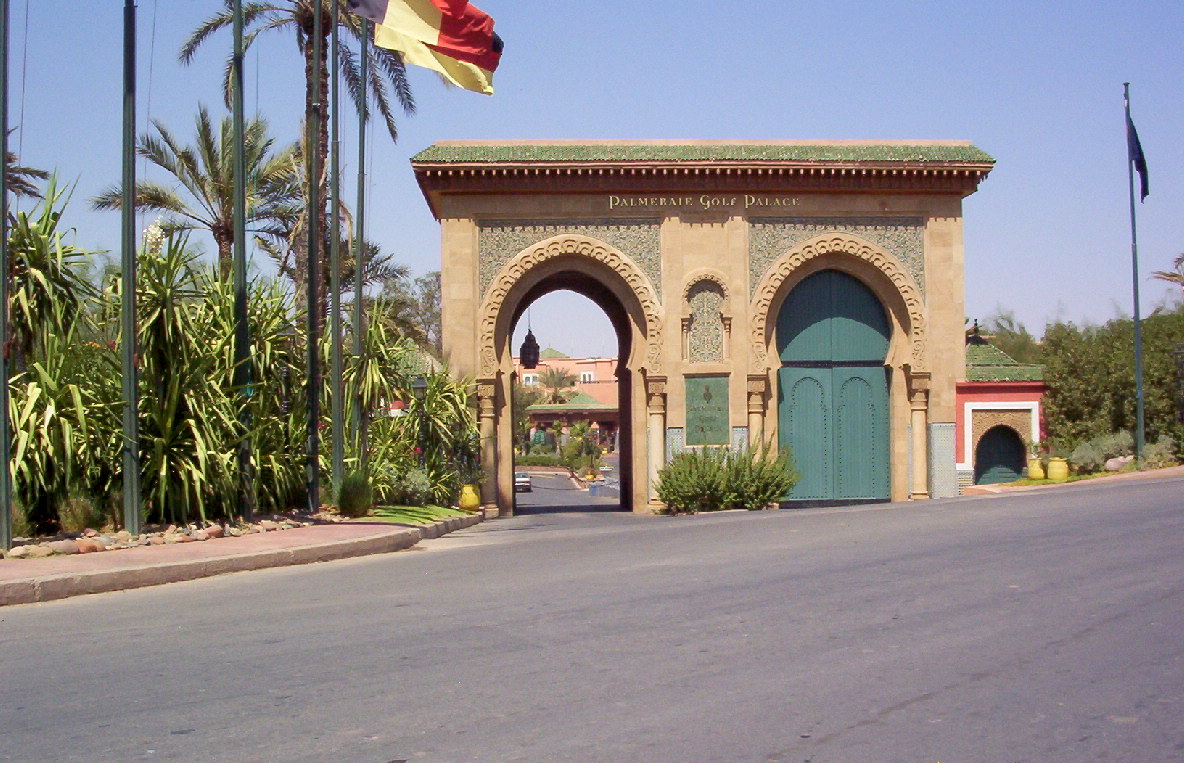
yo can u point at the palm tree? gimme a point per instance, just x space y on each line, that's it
556 381
1176 276
206 173
298 16
20 179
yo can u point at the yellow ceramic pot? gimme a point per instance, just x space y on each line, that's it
1035 469
1058 469
470 499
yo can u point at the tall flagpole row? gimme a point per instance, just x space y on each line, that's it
361 416
127 302
1130 174
5 432
242 336
338 388
313 126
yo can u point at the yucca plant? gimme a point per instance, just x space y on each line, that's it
49 420
47 288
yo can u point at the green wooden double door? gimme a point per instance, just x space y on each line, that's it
832 338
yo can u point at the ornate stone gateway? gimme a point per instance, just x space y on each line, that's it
685 244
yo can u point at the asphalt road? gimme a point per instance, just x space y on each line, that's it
553 493
1043 627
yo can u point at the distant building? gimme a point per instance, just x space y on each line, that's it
998 414
592 399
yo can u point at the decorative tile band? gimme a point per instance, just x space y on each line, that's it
498 241
771 237
739 438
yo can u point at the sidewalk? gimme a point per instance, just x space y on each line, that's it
1171 471
24 581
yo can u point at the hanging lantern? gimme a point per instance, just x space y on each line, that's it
529 354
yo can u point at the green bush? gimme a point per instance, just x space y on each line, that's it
539 459
715 479
1087 457
355 498
693 481
757 478
414 489
1160 454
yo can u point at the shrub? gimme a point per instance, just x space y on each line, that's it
1120 443
757 478
542 459
414 489
1087 457
693 481
1160 454
77 513
714 479
355 498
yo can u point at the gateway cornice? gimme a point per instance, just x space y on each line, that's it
659 168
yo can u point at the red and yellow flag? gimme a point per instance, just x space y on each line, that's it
452 37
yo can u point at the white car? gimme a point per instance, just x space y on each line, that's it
522 482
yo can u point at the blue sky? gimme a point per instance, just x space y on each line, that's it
1038 85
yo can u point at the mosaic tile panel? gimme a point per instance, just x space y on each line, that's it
676 442
640 238
739 438
943 477
705 337
771 237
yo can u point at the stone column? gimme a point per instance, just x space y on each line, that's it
486 399
757 385
655 394
919 405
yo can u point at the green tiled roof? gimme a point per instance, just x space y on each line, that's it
985 363
690 152
580 402
552 353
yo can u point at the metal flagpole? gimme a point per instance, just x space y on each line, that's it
5 433
312 145
361 416
1130 173
127 307
335 269
242 336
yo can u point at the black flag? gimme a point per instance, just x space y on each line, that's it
1134 151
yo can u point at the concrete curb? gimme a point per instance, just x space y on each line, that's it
61 586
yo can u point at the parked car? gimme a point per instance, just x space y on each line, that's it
522 482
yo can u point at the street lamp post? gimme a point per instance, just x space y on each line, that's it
420 388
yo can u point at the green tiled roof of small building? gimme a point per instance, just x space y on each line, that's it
551 353
580 402
698 152
985 363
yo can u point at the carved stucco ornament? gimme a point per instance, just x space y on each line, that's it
829 244
570 244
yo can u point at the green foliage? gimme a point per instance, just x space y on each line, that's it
557 383
760 477
414 488
1012 337
539 459
355 498
716 479
1160 454
693 481
1091 379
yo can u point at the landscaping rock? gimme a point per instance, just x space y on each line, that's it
157 540
214 531
62 546
40 552
1118 463
200 535
18 552
89 546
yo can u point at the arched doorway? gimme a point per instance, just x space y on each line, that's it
999 456
832 338
621 447
625 294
